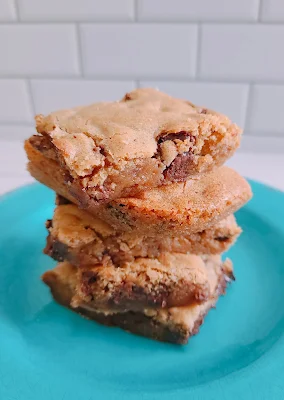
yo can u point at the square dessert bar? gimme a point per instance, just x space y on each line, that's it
171 280
190 206
83 239
174 324
118 149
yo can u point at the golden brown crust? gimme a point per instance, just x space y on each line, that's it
191 206
174 325
80 238
181 207
148 138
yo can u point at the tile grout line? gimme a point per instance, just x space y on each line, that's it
201 79
198 52
260 7
117 78
17 11
30 93
24 124
135 10
248 107
144 22
79 50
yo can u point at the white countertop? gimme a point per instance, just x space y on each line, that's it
263 167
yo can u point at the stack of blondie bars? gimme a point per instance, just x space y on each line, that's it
144 210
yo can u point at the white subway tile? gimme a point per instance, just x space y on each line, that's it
242 51
201 10
229 99
7 10
38 50
14 101
16 132
83 10
51 95
266 111
272 10
145 50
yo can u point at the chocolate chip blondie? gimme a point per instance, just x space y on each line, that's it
109 150
83 239
190 206
170 324
171 280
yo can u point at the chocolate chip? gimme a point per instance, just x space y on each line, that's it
103 152
67 176
90 277
60 200
222 238
41 143
127 97
230 276
180 168
182 135
55 249
48 224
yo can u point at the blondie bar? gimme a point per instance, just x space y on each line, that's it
190 206
83 239
175 324
171 280
118 149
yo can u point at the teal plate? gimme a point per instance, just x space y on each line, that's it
49 353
